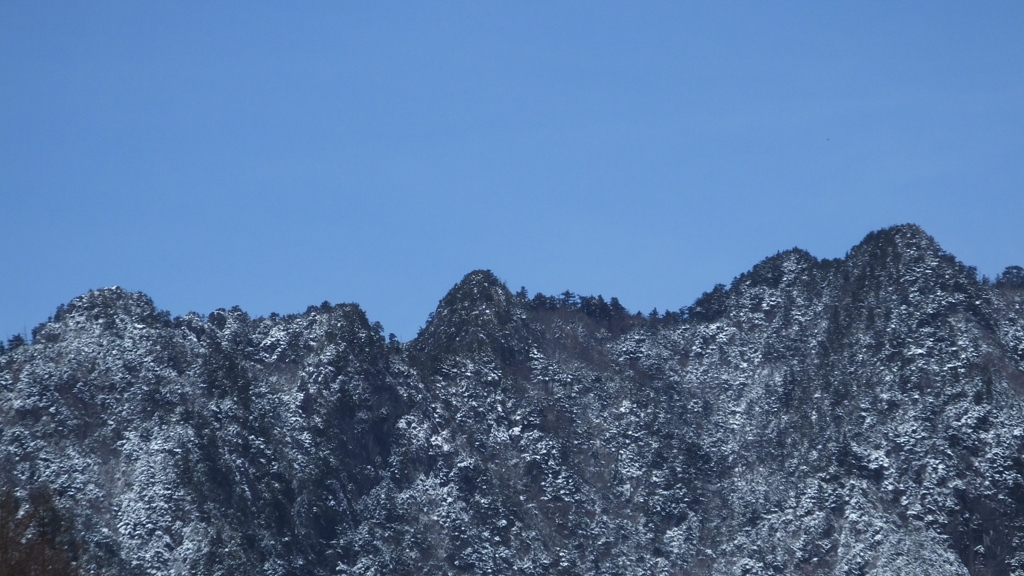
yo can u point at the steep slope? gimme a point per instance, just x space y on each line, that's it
216 445
857 416
864 410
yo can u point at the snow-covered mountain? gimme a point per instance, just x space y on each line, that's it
854 416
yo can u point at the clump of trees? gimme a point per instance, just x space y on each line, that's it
13 343
614 317
1012 277
610 314
35 538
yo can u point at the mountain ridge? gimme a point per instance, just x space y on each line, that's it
822 416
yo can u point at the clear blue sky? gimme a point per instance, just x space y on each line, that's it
275 155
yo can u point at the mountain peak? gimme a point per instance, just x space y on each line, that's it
904 264
107 305
479 293
478 314
783 267
902 238
902 253
479 282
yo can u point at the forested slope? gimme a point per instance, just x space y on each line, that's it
853 416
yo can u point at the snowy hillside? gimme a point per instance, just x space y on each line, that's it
854 416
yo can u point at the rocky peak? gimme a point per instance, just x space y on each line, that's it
479 314
904 261
784 268
478 288
113 310
896 246
106 303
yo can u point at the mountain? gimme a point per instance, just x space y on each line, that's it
860 415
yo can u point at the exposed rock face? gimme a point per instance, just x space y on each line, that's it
853 416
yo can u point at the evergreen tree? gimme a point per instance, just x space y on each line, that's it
16 341
1011 277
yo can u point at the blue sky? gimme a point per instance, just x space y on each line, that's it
275 155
